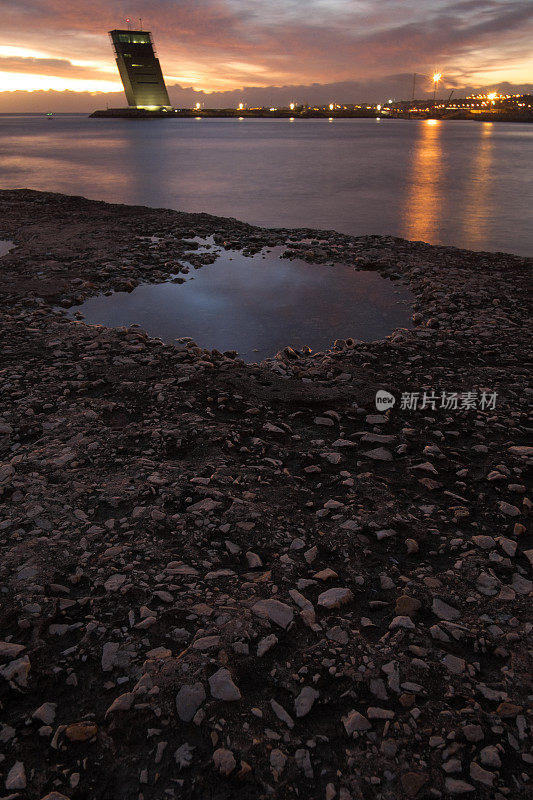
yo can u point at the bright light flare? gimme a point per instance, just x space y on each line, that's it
437 76
492 95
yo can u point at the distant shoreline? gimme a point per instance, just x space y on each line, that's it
126 113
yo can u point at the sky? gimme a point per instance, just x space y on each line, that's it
216 51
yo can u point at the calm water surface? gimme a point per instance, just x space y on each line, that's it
459 183
258 305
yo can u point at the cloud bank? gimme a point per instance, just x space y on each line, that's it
227 45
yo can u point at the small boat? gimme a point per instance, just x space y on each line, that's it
50 114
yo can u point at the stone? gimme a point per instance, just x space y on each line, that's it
444 611
188 700
477 773
275 611
335 598
46 713
407 606
55 796
281 713
508 710
266 644
222 686
10 650
114 583
402 622
379 454
454 664
490 757
224 761
81 731
305 700
412 782
16 777
183 756
354 721
455 786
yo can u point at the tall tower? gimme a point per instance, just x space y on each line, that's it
139 69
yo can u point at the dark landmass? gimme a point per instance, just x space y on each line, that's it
232 113
223 580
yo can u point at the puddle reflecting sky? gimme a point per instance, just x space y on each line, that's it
259 305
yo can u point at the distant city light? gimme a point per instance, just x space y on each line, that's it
197 106
378 107
241 106
492 95
331 106
292 106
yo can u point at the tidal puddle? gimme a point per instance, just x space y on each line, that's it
258 304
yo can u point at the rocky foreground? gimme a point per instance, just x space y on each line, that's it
222 580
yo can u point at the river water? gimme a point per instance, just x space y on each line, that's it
460 183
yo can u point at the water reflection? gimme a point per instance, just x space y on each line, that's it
258 305
478 206
424 199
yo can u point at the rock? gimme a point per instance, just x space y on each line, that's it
408 606
454 664
222 686
335 598
81 731
114 583
303 762
508 710
55 796
109 655
277 762
9 650
274 610
224 761
490 757
281 714
183 756
354 721
508 509
16 777
17 671
304 701
412 782
473 733
402 622
266 644
379 454
188 700
443 610
122 703
46 713
455 786
481 775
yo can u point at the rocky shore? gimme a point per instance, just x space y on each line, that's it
222 580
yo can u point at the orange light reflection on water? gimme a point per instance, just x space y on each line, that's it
478 207
424 199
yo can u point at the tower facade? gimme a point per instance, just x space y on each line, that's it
139 69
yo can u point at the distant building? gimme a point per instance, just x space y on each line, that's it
140 70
